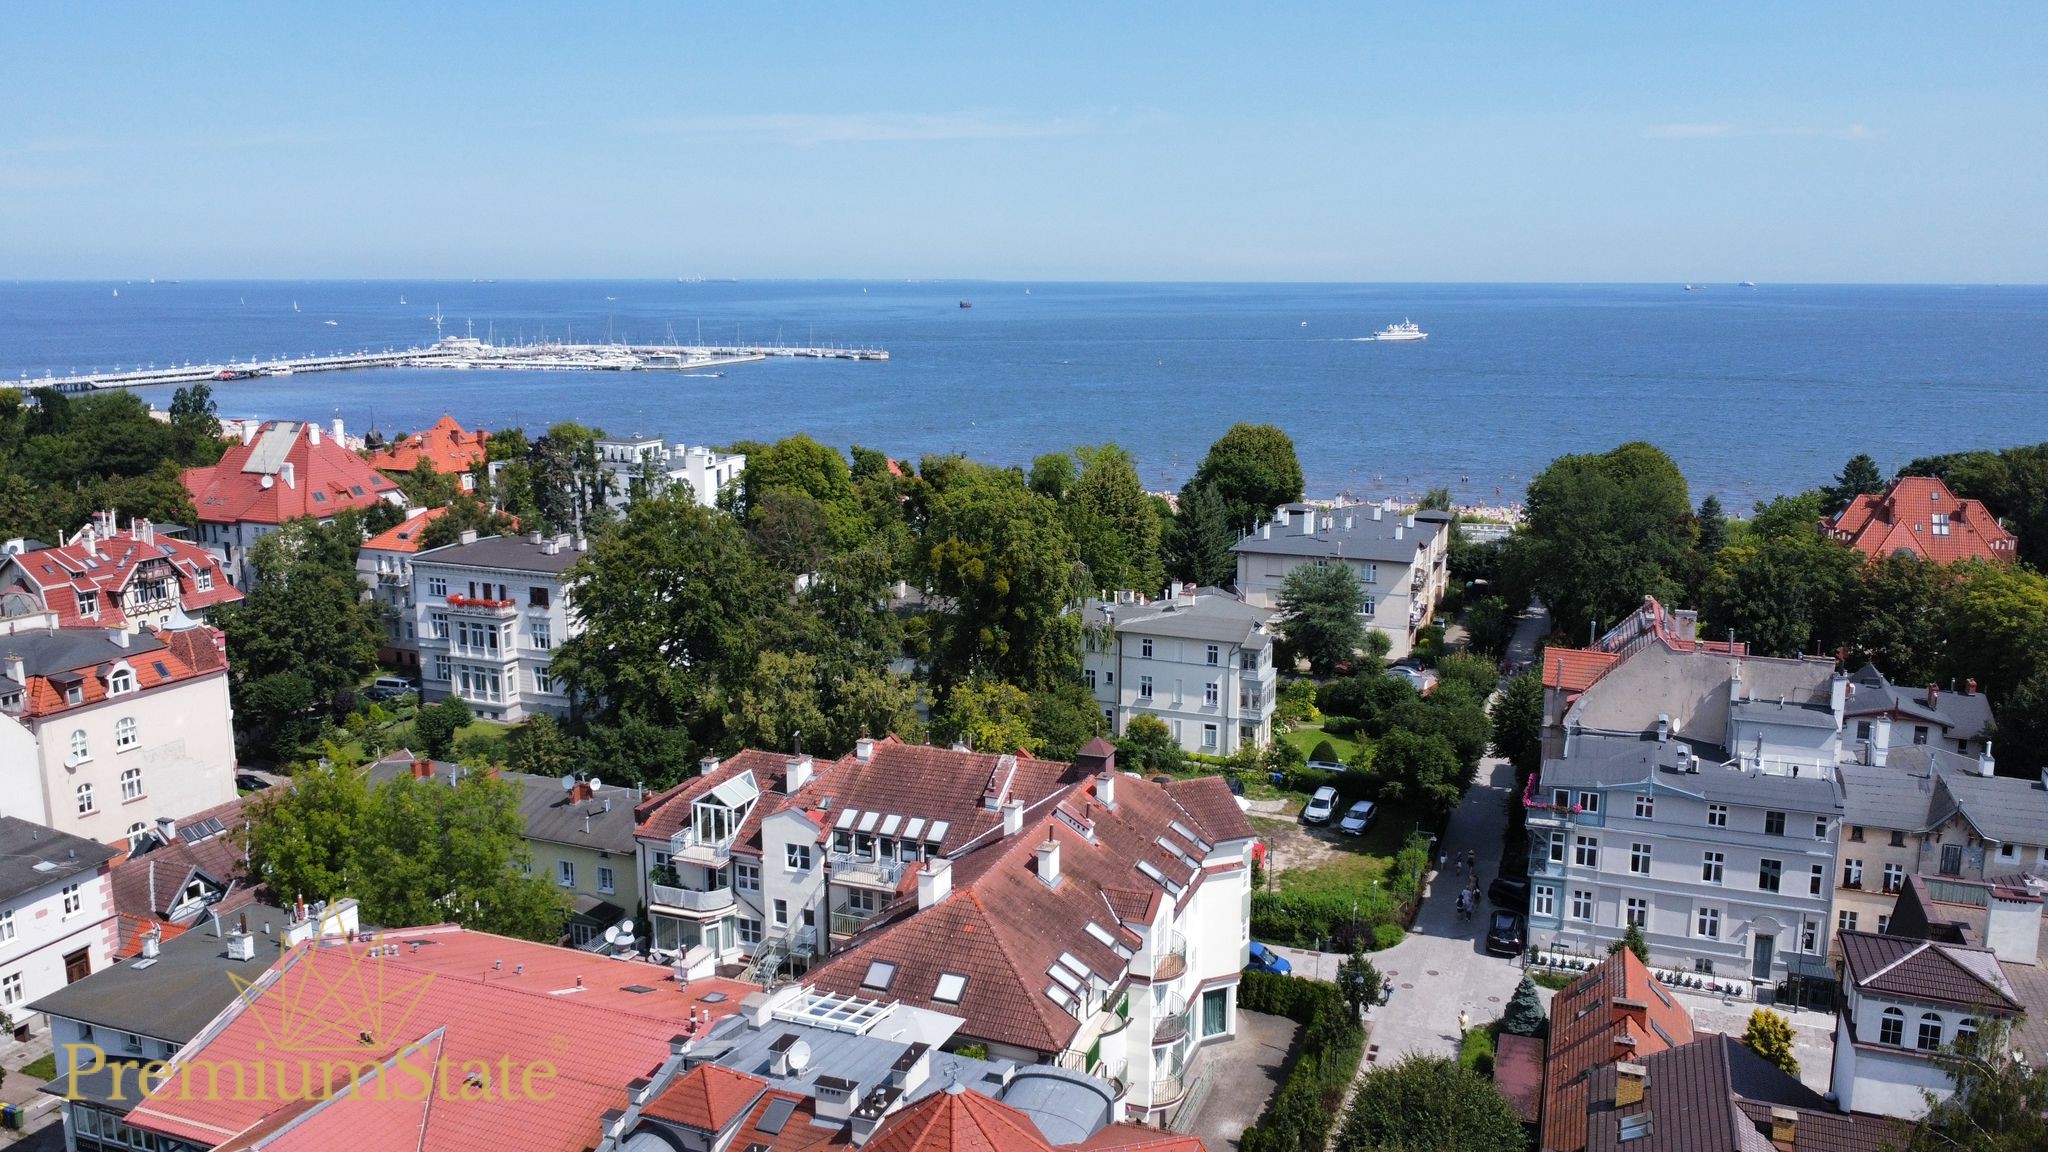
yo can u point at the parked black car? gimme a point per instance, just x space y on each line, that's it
1509 894
1508 935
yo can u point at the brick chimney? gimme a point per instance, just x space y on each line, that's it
1630 1081
1784 1127
1933 697
422 769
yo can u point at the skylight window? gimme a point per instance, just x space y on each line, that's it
880 975
1634 1127
952 986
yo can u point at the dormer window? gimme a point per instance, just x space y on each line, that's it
120 681
89 604
204 581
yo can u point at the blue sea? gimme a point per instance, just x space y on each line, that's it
1754 391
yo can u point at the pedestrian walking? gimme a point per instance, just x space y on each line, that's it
1464 1022
1442 859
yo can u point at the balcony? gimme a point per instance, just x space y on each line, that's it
690 848
1170 1020
1168 1089
847 919
1169 956
394 579
478 606
690 899
866 871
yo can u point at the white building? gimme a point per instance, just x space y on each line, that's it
488 613
104 732
281 471
1401 561
384 565
1904 1002
647 462
1201 662
56 912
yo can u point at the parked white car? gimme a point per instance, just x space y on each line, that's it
1320 806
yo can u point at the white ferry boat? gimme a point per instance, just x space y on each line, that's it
1405 330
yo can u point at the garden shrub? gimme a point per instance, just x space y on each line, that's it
1325 752
1325 1059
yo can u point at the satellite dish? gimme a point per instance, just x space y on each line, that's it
596 785
799 1056
626 927
611 934
568 783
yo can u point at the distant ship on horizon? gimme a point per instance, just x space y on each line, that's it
1404 331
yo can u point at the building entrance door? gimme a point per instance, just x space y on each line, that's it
1766 946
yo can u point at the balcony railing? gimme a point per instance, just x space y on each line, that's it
691 848
1170 1020
1167 1089
692 899
1169 956
846 919
478 606
394 579
867 871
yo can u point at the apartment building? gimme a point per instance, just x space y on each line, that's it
447 447
384 564
488 613
648 465
56 912
1198 660
1958 721
281 471
1920 810
1401 561
103 733
1695 797
106 576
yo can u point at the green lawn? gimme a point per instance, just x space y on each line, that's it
43 1067
1307 737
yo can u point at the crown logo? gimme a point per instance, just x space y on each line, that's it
332 996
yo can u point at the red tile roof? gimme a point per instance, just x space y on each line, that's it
958 1121
146 887
663 814
919 780
324 478
1617 1011
404 537
447 446
1925 970
156 658
707 1098
485 999
109 563
1902 521
1575 669
1518 1073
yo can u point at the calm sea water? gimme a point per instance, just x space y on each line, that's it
1753 391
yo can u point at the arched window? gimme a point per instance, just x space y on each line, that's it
120 681
136 832
1966 1035
78 744
1930 1031
85 805
131 784
125 735
1891 1027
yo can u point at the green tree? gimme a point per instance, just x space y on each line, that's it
2022 727
1052 475
306 840
195 426
1633 941
1197 544
1788 515
1002 568
1859 477
1429 1104
465 513
1769 1035
1147 745
1475 673
1604 531
1253 470
1781 594
672 602
1518 721
2000 1103
427 487
1897 611
1490 625
541 746
1063 718
782 698
987 715
1713 522
1420 769
1997 626
1325 752
1436 499
567 482
1360 981
436 724
1319 615
1525 1015
1112 521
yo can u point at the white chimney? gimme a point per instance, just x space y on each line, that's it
934 882
1663 727
707 765
151 941
468 536
796 773
1398 529
119 636
17 669
1411 520
339 438
1377 512
313 435
1049 862
249 430
1880 740
241 946
1105 790
1986 766
1735 684
1013 817
288 473
863 749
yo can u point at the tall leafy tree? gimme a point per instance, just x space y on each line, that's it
1319 615
1002 568
1112 521
1197 544
1604 531
1998 626
1253 470
1063 718
1713 535
2000 1102
1420 769
1429 1104
426 486
987 715
1518 721
195 426
1779 593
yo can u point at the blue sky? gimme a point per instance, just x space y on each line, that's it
1354 142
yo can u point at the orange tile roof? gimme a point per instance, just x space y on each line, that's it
1575 669
958 1121
1617 1011
326 478
447 446
486 1000
1902 521
404 537
707 1098
157 659
106 562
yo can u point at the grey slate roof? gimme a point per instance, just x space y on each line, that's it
1364 539
1604 761
51 650
1790 713
177 995
1214 616
516 553
1885 797
33 857
1921 786
863 1059
1962 715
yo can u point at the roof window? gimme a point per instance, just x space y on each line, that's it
952 986
880 975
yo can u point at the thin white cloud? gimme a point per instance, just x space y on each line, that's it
811 129
1854 132
1688 131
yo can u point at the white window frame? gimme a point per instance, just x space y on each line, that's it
565 873
127 734
607 880
1543 900
779 913
1717 815
1214 655
81 748
1639 858
1144 687
131 783
1713 867
1586 852
1582 905
796 857
1145 648
746 877
1646 806
1636 914
437 586
86 804
73 900
1212 694
1211 737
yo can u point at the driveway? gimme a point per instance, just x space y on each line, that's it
1242 1076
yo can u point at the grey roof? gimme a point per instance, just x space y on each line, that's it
1067 1107
550 814
1792 712
1353 535
1605 761
48 650
1921 786
516 553
1885 797
34 857
180 992
1964 715
863 1059
1213 616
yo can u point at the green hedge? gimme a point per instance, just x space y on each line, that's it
1301 1114
1323 917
